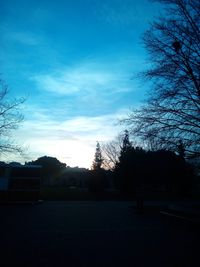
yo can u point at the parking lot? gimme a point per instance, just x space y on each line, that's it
93 234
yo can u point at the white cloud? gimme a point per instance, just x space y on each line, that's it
86 78
56 84
72 141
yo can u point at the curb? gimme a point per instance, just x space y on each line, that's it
189 217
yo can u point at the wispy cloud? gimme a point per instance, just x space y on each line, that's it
72 141
11 34
87 77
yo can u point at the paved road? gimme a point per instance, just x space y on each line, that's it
90 234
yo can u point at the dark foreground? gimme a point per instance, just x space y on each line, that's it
94 234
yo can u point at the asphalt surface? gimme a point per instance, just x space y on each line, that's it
94 234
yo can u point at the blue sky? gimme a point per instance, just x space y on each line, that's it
75 62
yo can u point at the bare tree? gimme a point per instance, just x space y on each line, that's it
172 110
111 152
10 118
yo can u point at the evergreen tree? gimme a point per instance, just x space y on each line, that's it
97 181
98 160
126 145
124 168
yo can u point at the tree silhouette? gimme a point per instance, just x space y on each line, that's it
111 152
138 169
98 160
97 181
126 172
126 144
10 118
172 110
51 168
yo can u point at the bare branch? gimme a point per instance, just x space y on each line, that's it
10 118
